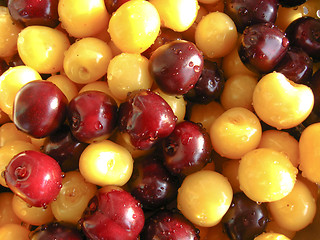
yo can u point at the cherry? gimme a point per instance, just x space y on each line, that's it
146 118
35 12
151 183
15 60
112 214
296 65
39 108
315 86
187 149
56 231
209 86
245 219
304 32
169 224
35 177
92 116
248 12
176 66
64 148
262 47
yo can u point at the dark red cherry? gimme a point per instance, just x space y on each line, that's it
113 5
35 177
291 3
176 66
248 12
35 12
166 35
151 183
209 86
112 214
56 231
3 66
92 116
187 149
64 148
146 118
245 218
296 65
262 46
39 108
304 32
169 224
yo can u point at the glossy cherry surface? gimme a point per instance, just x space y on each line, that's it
176 66
151 183
35 177
304 32
296 65
209 85
35 12
146 118
187 149
245 219
39 108
169 224
113 214
262 47
248 12
64 148
92 115
56 231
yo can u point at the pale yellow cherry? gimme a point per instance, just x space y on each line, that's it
204 197
134 26
9 132
83 18
280 102
13 231
42 48
106 163
216 35
177 15
10 83
68 87
271 236
235 132
295 211
266 175
309 154
7 214
9 32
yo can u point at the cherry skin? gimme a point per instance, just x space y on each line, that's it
151 183
245 219
35 12
248 12
146 118
296 65
176 66
209 86
262 46
187 149
92 116
169 224
56 231
112 214
64 148
39 108
113 5
304 32
35 177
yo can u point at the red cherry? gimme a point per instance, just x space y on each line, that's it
35 177
39 108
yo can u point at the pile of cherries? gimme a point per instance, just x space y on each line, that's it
145 119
